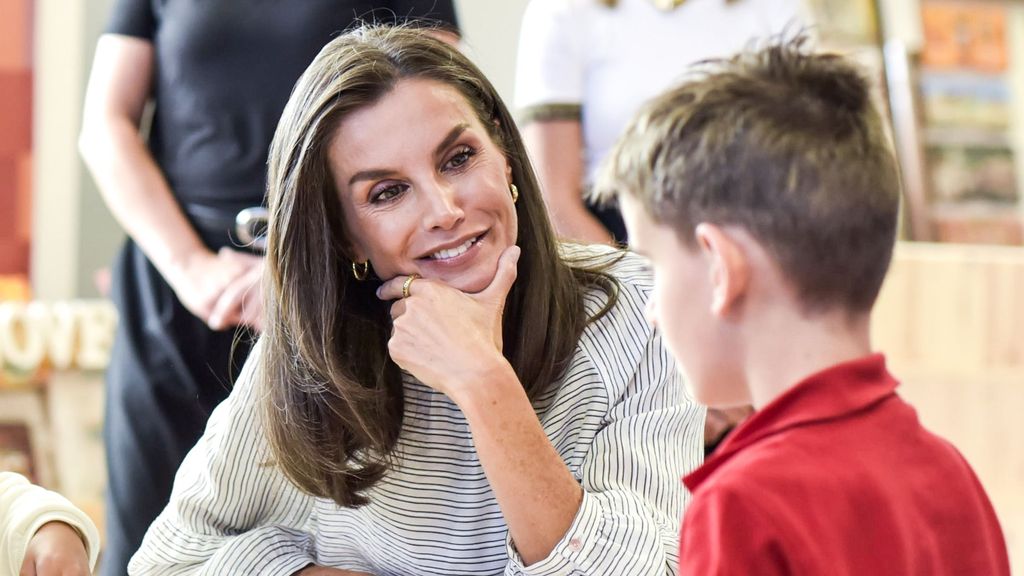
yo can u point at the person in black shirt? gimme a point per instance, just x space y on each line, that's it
219 74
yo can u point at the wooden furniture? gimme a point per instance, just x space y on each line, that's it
951 322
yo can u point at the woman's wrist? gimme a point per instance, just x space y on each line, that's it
486 387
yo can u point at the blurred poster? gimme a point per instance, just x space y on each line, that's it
968 108
964 35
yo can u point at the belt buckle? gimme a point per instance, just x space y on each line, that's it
251 227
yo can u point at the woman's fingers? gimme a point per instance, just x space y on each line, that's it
397 309
494 295
504 278
395 288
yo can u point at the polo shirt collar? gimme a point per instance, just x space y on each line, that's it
831 394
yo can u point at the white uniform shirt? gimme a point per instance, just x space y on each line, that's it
620 418
611 60
24 508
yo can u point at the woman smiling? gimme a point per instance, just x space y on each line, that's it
440 388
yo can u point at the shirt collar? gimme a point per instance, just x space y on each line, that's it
827 395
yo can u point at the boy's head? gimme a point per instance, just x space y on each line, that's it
777 152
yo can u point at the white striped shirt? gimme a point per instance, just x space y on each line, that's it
620 418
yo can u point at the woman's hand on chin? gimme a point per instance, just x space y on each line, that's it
450 340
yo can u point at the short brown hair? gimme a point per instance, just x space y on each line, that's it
785 143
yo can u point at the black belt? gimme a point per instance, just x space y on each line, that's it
246 227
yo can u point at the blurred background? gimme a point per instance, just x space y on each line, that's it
950 73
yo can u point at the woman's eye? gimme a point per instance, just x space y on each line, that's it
460 158
387 193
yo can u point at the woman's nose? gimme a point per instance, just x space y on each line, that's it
443 211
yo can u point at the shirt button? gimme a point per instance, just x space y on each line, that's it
575 545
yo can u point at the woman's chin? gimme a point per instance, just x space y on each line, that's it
471 285
470 279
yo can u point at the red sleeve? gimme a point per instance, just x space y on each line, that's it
725 533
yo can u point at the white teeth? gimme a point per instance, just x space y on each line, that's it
453 252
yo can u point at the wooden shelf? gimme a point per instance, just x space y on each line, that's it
968 137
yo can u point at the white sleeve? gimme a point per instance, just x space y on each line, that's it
633 495
550 62
231 511
24 508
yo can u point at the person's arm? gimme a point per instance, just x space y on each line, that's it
134 187
451 341
538 495
556 149
633 496
56 549
549 93
622 518
231 510
41 532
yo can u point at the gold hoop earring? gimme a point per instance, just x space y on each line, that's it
361 274
515 193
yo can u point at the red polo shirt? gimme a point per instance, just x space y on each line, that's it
837 476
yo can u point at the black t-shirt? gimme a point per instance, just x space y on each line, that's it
223 73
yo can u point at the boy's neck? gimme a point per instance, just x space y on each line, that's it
788 348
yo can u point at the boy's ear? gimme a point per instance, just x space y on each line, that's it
728 266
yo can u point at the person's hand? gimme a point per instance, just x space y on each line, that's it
56 549
314 570
448 339
241 302
578 224
203 277
720 422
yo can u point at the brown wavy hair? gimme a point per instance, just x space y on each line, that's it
333 401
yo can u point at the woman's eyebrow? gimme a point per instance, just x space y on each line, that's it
380 174
370 175
452 136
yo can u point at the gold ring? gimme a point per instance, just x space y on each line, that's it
408 284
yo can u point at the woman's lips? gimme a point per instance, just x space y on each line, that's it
455 256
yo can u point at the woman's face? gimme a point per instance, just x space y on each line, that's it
423 188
